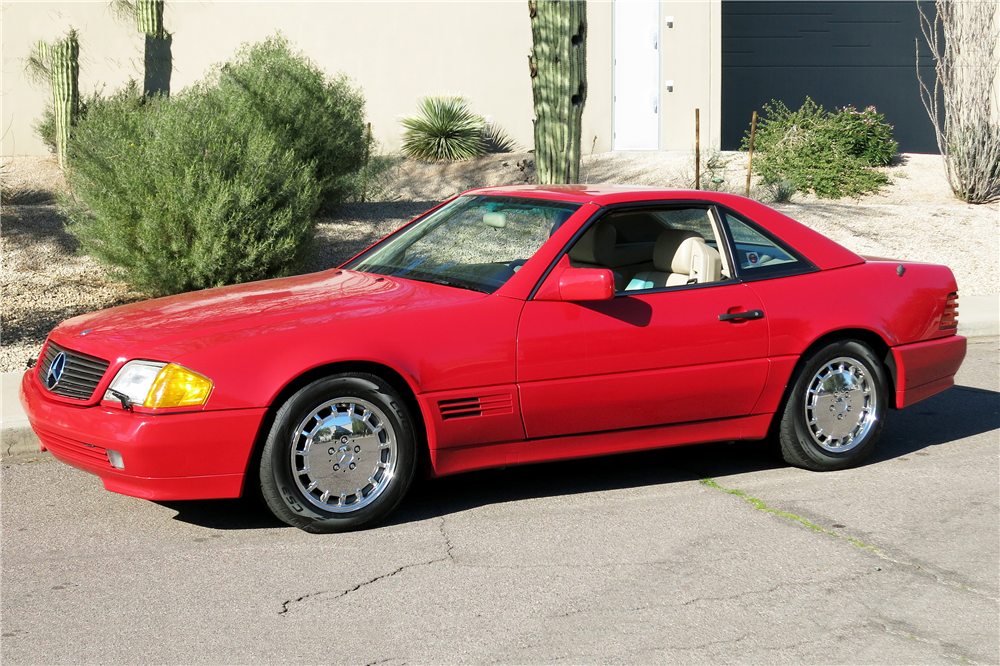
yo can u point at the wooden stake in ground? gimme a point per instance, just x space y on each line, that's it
753 130
697 149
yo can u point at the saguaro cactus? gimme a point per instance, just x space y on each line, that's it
58 65
558 67
158 61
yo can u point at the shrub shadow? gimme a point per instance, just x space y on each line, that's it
26 225
28 196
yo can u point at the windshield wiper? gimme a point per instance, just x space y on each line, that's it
423 277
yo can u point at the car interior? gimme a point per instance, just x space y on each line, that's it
652 249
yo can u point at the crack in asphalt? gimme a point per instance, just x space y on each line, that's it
447 541
448 557
760 505
380 661
942 646
286 606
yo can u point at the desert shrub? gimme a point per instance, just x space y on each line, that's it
865 134
220 183
320 120
444 128
781 191
828 153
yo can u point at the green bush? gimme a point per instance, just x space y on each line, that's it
866 135
828 153
444 128
220 183
319 119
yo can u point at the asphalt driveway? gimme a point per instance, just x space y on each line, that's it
711 554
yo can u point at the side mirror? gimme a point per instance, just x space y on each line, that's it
578 284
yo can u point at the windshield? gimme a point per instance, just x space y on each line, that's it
474 242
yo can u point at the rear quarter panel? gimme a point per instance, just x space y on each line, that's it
871 296
901 310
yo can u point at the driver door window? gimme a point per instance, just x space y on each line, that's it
654 248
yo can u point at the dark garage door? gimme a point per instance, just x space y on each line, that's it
837 53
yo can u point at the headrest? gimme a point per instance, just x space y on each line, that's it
596 246
667 244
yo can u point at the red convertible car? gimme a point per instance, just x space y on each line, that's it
508 325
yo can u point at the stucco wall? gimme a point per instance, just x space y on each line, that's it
692 51
395 51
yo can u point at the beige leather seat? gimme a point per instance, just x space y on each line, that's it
680 257
596 249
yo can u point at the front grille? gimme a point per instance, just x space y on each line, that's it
80 377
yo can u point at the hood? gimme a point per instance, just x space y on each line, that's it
162 328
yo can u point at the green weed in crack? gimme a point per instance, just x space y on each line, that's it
761 506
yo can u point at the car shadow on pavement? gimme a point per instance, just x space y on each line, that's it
959 412
947 417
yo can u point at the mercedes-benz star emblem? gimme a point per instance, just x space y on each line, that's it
56 370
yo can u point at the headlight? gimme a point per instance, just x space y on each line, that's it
152 384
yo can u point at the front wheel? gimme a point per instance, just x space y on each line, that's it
340 455
836 409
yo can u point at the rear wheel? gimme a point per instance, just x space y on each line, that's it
340 455
836 409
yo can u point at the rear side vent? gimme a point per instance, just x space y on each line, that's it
487 405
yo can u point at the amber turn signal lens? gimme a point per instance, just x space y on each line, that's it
176 386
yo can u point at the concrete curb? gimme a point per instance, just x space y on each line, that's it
979 316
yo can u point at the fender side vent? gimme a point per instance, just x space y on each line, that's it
487 405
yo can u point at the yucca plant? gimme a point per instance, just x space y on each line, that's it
444 128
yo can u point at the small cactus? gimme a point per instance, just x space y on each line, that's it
558 68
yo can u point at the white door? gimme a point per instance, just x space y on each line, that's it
637 75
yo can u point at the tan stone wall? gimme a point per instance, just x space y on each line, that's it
395 51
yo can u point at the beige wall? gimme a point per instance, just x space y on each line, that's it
395 51
692 59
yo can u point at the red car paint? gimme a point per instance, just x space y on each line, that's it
516 376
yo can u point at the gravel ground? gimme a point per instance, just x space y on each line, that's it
44 280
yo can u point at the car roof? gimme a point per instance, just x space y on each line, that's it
823 252
603 194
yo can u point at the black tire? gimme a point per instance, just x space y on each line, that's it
363 466
835 411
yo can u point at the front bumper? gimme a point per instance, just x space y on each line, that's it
926 368
194 455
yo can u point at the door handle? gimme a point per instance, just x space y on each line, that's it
740 316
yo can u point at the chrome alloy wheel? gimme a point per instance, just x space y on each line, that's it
344 454
840 405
